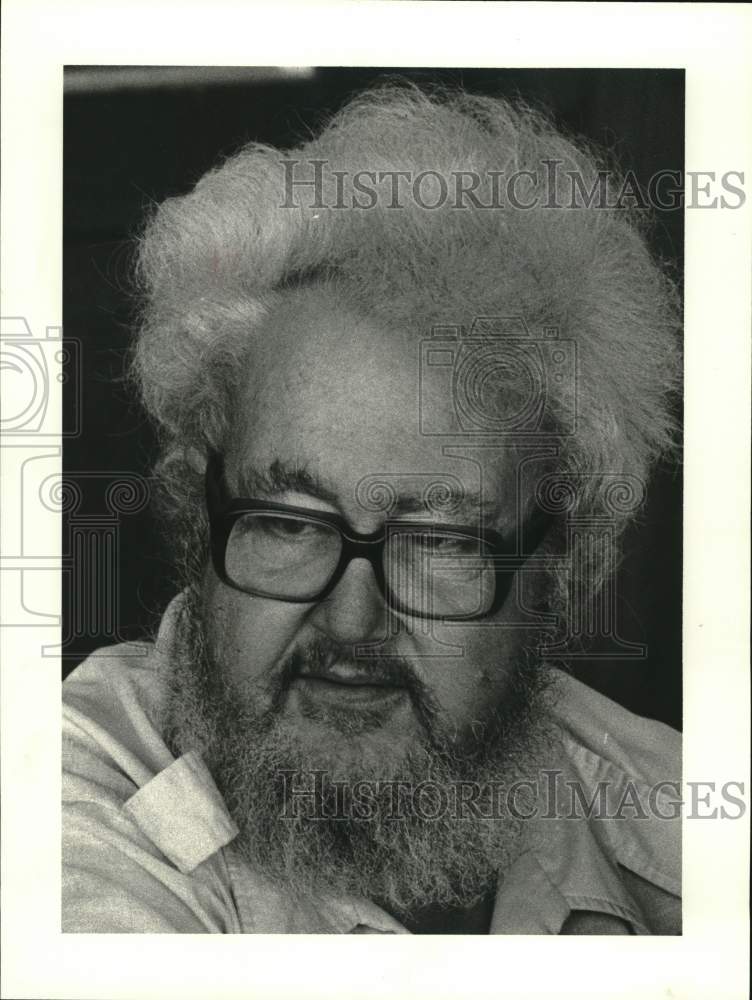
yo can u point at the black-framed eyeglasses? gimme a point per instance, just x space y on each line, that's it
299 555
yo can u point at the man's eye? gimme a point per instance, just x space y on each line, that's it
446 545
267 529
288 528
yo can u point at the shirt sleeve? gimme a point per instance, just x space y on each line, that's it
116 878
114 881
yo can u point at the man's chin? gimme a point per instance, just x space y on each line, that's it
351 817
350 736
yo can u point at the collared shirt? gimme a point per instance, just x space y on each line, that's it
148 840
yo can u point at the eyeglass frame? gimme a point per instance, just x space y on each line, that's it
224 511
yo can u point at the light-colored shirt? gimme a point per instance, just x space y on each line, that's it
148 840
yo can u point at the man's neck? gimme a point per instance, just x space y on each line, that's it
436 919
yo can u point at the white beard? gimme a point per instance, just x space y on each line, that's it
403 859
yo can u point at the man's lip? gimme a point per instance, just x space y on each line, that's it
348 685
315 689
349 676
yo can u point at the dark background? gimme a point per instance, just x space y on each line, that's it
135 135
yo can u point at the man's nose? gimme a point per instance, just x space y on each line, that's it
355 610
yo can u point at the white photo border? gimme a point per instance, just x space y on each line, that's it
712 43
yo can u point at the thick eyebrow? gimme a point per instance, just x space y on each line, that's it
460 506
282 477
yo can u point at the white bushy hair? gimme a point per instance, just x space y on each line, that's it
212 263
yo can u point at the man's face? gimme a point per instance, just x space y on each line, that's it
331 405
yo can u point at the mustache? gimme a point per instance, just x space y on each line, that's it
321 653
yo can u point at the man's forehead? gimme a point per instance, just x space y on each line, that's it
333 410
322 376
315 336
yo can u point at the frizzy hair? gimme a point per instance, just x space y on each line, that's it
212 263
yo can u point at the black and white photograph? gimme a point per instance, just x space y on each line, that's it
362 461
412 354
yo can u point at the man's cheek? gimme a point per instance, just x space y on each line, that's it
469 686
250 635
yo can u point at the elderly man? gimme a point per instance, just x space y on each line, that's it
410 379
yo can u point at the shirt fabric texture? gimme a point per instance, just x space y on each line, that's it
148 840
